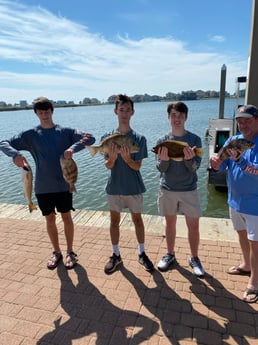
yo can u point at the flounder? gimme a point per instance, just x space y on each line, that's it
240 145
117 138
176 149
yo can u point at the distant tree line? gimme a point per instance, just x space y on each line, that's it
169 97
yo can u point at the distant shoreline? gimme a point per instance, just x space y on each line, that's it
28 107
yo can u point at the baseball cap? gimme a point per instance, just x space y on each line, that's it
247 111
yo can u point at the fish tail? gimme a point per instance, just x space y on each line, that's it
73 188
32 207
93 150
199 152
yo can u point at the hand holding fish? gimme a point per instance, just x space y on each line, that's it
125 153
163 153
189 152
86 139
235 154
20 161
215 162
68 154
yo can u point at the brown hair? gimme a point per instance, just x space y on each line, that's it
42 103
178 106
121 99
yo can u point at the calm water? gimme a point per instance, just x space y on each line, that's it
149 119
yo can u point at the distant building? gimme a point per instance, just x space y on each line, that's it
23 103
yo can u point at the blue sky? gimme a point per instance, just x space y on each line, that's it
69 50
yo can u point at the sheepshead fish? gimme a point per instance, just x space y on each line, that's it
27 179
240 145
70 172
118 139
175 149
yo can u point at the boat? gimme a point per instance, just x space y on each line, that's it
220 129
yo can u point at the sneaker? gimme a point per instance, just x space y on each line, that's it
166 262
196 265
145 261
112 264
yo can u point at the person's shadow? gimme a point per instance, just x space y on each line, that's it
90 312
240 319
178 319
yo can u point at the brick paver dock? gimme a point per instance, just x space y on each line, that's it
130 307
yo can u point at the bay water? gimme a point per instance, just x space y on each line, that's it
150 119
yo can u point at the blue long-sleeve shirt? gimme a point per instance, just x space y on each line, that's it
242 179
46 145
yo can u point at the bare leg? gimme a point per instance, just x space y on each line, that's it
171 233
114 227
193 234
68 230
139 227
52 231
253 280
245 246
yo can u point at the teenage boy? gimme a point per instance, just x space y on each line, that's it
125 185
46 143
178 188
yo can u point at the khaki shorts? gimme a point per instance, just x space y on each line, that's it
119 202
171 203
248 222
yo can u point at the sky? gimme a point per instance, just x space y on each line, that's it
69 50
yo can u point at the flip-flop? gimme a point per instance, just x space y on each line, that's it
248 292
71 260
236 270
54 260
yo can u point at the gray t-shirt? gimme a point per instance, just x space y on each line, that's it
124 180
180 175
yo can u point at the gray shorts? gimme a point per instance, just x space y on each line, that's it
243 221
119 202
171 203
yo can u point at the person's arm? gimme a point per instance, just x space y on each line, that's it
112 156
80 140
162 159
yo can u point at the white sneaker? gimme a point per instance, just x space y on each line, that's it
166 262
196 265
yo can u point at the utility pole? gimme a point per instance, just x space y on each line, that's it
251 96
222 91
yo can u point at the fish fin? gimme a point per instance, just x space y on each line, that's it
93 150
73 188
199 151
177 159
32 207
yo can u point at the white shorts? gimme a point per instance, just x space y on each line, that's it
243 221
171 203
119 202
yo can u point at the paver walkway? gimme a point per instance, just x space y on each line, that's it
130 307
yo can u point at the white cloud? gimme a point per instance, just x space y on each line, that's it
218 38
52 56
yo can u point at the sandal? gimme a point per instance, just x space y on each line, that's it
236 270
249 292
71 260
54 260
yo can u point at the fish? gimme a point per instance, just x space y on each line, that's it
176 149
27 179
117 138
70 172
240 145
